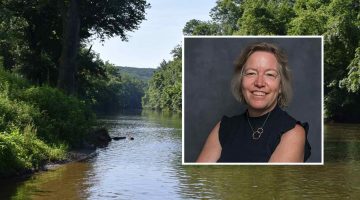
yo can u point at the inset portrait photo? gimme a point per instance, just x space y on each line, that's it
253 100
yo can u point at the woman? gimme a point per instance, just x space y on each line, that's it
264 132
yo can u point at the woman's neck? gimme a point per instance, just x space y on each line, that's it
259 112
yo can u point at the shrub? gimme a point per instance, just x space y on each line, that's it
24 151
63 118
11 84
15 114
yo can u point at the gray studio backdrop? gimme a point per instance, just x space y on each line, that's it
208 69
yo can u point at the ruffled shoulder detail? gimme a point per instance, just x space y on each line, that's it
288 123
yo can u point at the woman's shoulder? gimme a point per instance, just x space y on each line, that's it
288 119
294 130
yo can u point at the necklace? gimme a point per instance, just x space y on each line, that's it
257 134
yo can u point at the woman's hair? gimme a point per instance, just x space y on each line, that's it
283 68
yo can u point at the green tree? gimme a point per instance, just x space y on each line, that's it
164 91
352 81
310 18
337 20
54 29
226 13
265 17
131 93
108 19
103 87
31 40
342 38
197 27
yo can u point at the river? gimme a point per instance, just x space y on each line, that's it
149 167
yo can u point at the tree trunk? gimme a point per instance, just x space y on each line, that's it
70 46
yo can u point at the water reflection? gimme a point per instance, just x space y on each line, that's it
332 181
141 168
149 167
64 182
342 143
337 179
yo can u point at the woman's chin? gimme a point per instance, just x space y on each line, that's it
260 106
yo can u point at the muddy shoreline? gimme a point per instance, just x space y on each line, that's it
77 155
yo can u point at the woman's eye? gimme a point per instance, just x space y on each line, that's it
250 73
271 75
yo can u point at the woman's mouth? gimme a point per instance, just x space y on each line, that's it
258 93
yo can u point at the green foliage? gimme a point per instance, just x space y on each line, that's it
265 17
31 36
226 13
37 124
339 105
29 44
57 117
11 83
310 19
342 38
107 90
337 20
63 118
15 113
20 152
132 90
143 74
197 27
164 92
31 39
352 81
31 32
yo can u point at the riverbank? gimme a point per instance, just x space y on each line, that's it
128 163
97 138
76 155
38 124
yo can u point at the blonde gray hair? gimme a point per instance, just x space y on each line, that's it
284 97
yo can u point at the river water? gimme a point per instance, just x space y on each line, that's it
149 167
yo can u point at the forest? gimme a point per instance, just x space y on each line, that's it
337 20
164 88
53 85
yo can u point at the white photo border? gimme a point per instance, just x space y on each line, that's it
260 163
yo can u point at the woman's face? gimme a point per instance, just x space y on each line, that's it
261 82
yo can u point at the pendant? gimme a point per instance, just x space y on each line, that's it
257 134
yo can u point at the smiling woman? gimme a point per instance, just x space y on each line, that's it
264 132
260 83
256 82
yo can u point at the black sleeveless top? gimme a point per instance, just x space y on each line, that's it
235 136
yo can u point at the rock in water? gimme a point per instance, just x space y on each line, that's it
118 138
99 137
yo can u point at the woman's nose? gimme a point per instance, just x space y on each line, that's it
259 81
